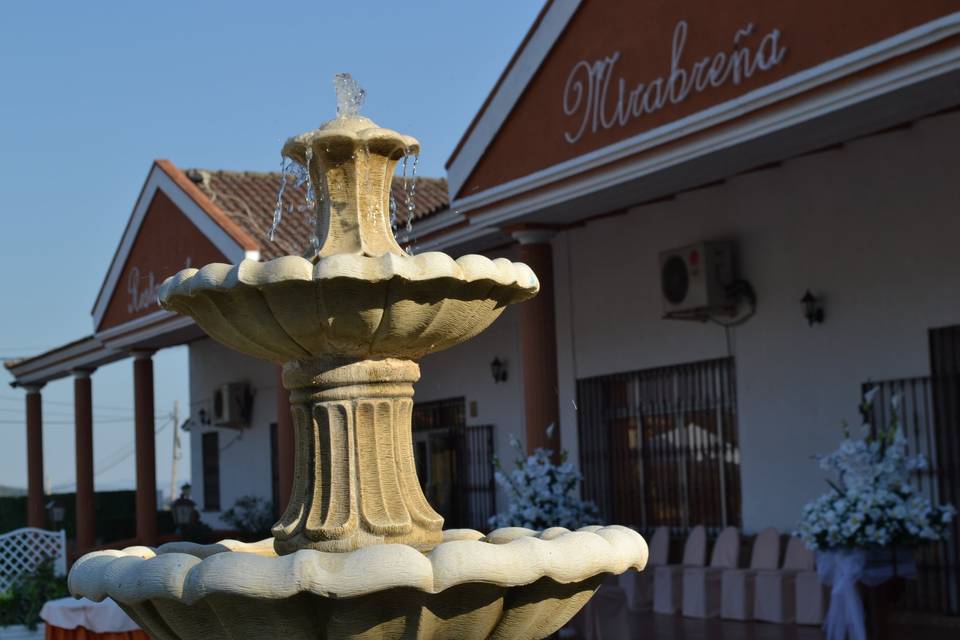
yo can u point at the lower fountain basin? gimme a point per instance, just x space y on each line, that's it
513 583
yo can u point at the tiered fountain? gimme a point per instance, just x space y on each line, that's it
359 552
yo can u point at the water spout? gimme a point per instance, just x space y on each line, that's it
350 95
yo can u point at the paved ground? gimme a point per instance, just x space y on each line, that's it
650 626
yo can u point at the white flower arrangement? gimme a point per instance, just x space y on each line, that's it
541 493
873 504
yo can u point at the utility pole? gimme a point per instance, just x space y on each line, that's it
176 450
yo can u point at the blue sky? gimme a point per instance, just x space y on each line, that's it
91 93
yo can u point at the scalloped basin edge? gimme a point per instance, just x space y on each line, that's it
348 305
513 583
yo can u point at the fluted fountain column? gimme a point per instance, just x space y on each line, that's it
355 480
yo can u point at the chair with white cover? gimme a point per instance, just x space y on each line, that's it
701 585
813 598
774 597
605 616
667 579
737 585
638 585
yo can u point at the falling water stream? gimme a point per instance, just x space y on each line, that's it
350 97
278 210
409 194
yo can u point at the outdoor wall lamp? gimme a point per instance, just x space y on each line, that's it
183 508
204 418
812 308
499 370
56 512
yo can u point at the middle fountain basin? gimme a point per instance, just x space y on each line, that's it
349 305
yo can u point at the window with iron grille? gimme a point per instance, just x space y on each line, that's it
440 414
945 395
921 420
454 463
930 420
210 451
659 447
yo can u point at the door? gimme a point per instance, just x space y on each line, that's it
945 375
436 461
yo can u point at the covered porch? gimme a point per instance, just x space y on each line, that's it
174 224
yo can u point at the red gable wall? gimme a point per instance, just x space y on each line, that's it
166 242
811 31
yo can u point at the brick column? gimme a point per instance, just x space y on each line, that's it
36 514
284 444
83 437
538 340
146 454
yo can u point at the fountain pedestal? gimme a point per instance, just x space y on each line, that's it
355 481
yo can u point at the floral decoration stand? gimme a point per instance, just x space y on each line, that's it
843 569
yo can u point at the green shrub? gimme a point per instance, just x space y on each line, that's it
250 515
21 603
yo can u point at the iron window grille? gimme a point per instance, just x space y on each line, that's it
659 447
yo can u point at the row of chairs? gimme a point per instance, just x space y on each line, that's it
764 590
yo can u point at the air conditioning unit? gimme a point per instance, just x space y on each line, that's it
697 279
232 403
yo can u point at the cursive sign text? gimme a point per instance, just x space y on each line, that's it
143 291
600 99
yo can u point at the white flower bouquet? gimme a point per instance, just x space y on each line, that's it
873 503
542 494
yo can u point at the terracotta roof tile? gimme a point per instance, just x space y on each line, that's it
249 198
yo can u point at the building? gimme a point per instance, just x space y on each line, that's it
775 148
817 141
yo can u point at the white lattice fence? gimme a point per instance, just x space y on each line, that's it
23 550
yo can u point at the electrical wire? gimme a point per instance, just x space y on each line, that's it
114 459
59 423
71 414
105 407
232 442
739 289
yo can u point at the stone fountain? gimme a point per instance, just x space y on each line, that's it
359 552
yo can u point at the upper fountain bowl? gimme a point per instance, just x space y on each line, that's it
348 305
358 295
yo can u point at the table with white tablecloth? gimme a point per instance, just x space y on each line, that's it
82 619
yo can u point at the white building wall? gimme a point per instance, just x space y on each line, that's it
872 226
245 464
